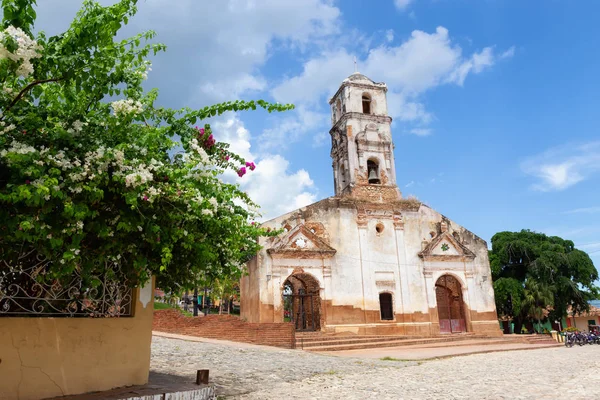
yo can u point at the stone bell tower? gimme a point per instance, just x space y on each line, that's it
361 141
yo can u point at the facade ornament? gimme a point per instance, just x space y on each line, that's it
444 226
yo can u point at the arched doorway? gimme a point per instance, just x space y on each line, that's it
302 302
448 293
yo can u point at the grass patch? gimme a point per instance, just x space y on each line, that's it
162 306
392 359
165 306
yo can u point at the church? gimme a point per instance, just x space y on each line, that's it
367 260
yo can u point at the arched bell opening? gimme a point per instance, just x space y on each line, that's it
366 103
302 302
373 172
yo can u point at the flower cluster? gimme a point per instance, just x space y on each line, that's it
242 170
207 140
26 49
126 107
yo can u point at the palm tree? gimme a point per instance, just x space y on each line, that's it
538 297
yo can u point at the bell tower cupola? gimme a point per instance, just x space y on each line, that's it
361 141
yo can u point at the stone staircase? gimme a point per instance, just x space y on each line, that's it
539 339
318 341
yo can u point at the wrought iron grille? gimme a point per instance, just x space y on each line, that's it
26 290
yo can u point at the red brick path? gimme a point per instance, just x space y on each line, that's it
226 327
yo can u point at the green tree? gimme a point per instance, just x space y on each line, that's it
537 298
88 179
533 272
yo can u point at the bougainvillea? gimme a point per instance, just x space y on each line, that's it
92 172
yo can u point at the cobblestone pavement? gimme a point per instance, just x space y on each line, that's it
268 373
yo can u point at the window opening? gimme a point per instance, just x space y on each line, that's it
366 103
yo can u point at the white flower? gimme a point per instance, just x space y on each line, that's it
213 201
79 224
27 49
207 212
139 228
125 107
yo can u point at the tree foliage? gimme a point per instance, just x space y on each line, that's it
533 273
91 170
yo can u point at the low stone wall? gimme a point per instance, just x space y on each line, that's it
47 357
225 327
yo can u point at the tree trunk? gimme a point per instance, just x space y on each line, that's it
518 325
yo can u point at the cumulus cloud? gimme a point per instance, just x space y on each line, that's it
389 35
563 167
418 64
277 189
264 184
421 131
215 48
402 4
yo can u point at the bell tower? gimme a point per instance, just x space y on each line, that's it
361 141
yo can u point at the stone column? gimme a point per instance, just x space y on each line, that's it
403 300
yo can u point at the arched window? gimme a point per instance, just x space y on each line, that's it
373 172
385 306
366 103
338 108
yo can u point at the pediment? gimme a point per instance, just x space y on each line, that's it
445 247
301 242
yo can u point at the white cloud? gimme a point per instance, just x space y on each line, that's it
389 35
477 63
420 131
276 189
291 127
508 53
409 184
271 185
214 47
319 76
402 4
560 168
420 63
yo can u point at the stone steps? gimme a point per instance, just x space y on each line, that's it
354 343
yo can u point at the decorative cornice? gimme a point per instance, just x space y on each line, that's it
355 115
285 247
345 83
465 254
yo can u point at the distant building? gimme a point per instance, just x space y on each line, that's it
366 260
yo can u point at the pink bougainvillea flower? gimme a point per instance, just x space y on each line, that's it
252 166
241 172
145 198
27 182
226 158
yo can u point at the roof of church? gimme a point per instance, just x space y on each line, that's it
357 76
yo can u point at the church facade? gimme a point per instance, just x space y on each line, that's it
367 260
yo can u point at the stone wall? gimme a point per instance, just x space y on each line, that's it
225 327
48 357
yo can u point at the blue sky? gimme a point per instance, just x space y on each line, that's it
494 102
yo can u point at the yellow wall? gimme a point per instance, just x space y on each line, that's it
46 357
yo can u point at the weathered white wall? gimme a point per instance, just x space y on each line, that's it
367 263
